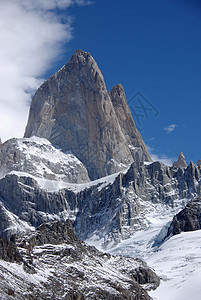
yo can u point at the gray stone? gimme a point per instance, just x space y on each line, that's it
189 219
69 267
180 163
74 111
113 211
9 251
132 135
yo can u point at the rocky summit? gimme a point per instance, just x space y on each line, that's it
181 162
75 112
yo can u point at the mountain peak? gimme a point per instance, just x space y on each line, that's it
181 156
80 52
75 112
81 56
118 87
181 162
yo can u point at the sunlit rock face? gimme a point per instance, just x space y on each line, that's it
181 162
75 112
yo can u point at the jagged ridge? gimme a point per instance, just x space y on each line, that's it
110 211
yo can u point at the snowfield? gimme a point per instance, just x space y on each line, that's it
56 185
178 263
144 243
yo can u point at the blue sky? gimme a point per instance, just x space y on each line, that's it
153 47
149 46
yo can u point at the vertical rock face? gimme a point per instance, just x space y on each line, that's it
188 219
109 211
74 111
125 119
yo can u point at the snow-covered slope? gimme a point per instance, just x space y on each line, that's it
57 185
126 213
177 260
38 157
178 263
144 243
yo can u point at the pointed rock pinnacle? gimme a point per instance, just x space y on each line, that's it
181 162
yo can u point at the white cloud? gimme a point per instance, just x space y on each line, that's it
48 5
170 128
31 38
161 157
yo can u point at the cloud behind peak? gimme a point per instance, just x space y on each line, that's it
32 35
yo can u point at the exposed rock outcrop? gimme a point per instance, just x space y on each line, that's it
52 233
181 162
9 251
62 266
199 163
189 219
74 111
94 135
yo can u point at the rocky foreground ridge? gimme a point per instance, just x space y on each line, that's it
53 263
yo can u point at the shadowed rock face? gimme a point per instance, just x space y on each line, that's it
125 119
111 211
189 219
9 251
74 111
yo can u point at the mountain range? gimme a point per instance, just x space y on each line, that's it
80 178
